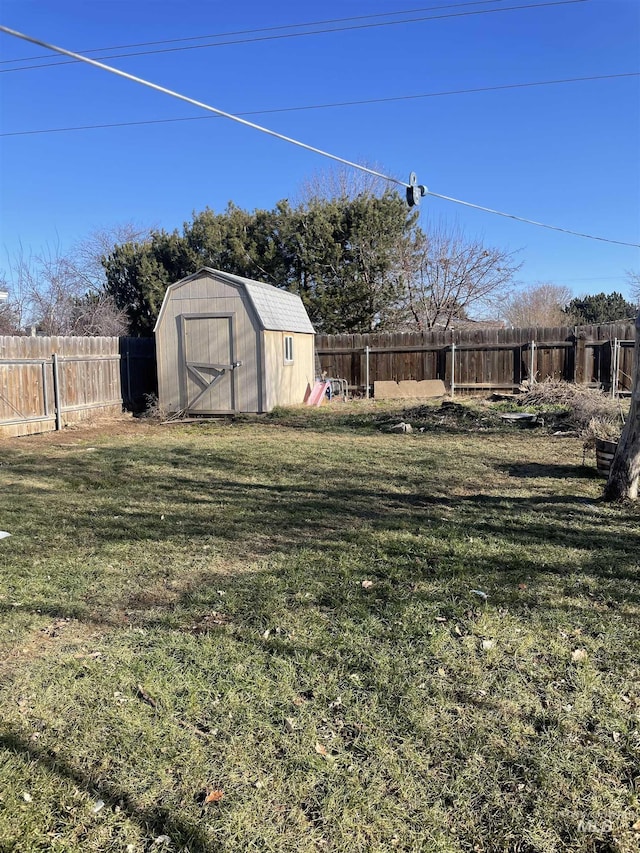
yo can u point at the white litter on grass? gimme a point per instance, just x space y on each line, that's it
4 534
480 594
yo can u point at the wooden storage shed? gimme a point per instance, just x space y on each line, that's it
227 344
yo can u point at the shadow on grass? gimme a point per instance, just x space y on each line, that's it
187 500
318 538
153 821
352 533
534 470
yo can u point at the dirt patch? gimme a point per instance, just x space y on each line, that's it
80 433
41 642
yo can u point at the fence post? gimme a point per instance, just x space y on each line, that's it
532 363
614 367
453 369
45 393
579 357
56 390
366 350
129 401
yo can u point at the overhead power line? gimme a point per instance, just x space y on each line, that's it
262 29
292 141
331 105
299 35
531 221
195 103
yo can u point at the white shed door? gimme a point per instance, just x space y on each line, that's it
208 368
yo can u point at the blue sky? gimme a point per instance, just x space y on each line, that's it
563 154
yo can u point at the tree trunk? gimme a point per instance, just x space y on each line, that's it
624 475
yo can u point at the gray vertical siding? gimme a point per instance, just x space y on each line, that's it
206 296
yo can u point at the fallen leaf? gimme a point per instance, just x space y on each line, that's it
266 634
289 724
488 644
214 796
441 618
616 737
367 584
320 749
480 594
299 701
636 826
578 655
522 586
441 671
27 797
458 631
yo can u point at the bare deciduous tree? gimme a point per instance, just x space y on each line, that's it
87 254
447 275
341 183
540 305
633 277
10 309
9 321
64 294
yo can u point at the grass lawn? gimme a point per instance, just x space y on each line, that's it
267 636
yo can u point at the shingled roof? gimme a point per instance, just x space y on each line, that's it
277 310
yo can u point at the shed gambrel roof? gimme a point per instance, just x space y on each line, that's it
277 310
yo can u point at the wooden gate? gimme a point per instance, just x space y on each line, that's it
208 362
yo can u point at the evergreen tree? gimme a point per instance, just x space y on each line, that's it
337 254
600 308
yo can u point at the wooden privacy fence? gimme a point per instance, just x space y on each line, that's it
478 361
47 383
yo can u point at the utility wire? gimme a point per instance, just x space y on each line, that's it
262 30
195 103
298 35
532 221
324 106
292 141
